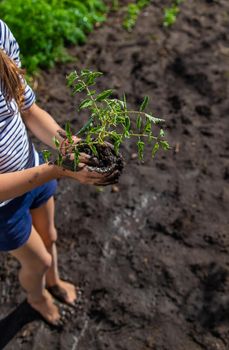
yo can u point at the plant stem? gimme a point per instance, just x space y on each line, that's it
89 94
100 140
138 112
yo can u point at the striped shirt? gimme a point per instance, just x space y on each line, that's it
16 150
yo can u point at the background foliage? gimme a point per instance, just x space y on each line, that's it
43 27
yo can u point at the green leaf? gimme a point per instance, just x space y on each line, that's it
67 129
139 122
103 95
59 160
153 119
76 159
124 103
127 123
56 142
89 77
115 136
162 133
97 74
141 147
88 138
143 3
130 19
86 126
85 72
46 155
117 146
126 134
90 80
94 149
78 88
165 145
155 149
71 78
68 133
115 101
150 137
148 126
170 15
144 104
86 103
120 120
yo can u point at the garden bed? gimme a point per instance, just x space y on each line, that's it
151 255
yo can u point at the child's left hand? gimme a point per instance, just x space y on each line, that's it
65 145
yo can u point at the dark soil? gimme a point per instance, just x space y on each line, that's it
105 161
152 258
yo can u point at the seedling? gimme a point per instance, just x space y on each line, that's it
110 120
132 12
170 13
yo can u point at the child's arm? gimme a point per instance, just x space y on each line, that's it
19 182
42 125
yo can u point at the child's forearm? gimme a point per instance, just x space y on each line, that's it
42 125
17 183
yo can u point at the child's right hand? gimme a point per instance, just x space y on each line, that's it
85 176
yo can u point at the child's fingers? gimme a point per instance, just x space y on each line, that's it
85 175
70 172
89 160
66 147
83 158
108 144
108 180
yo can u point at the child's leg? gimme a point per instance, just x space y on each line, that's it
35 261
43 221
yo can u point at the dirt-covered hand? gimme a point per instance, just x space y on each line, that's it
65 145
85 176
68 161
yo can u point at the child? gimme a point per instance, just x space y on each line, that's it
27 185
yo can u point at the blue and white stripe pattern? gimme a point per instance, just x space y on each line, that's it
16 150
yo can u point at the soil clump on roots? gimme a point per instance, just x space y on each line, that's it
105 160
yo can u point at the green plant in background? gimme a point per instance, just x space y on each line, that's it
43 28
170 13
115 5
132 12
109 120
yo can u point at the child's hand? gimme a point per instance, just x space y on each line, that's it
68 161
85 176
84 172
67 147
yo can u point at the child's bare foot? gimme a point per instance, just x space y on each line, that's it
64 291
46 307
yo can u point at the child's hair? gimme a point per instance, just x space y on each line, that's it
12 79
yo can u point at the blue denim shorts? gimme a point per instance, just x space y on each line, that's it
15 217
